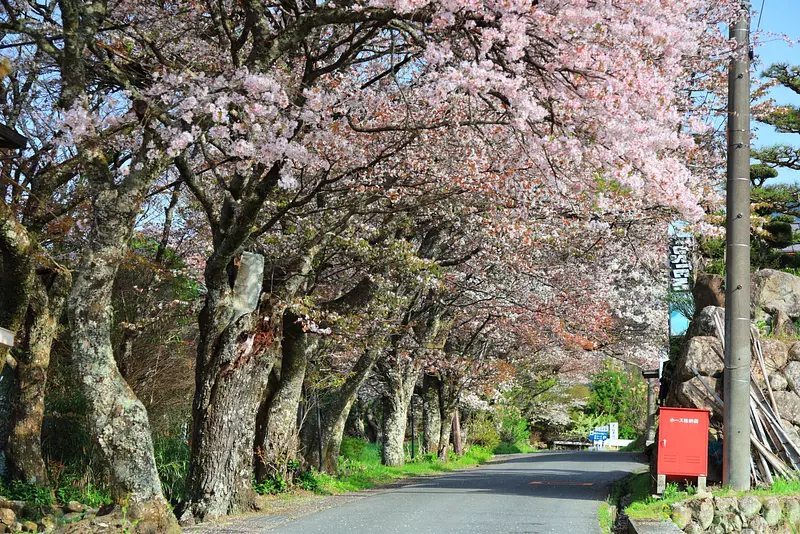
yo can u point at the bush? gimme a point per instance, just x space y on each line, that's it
513 425
31 493
619 396
507 448
308 481
271 486
351 448
73 485
483 432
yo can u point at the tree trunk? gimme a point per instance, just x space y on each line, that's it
431 416
118 420
24 450
400 378
444 435
235 354
278 444
18 274
334 416
458 446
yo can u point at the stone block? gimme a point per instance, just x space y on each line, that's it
749 506
681 515
772 511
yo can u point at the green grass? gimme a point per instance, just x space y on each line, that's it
604 517
513 448
645 506
360 467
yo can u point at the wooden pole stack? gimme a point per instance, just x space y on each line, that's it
773 453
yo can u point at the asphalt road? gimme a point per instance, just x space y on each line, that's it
550 492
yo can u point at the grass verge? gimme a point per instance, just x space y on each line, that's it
360 467
645 506
622 487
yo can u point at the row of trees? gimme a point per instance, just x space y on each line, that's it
349 196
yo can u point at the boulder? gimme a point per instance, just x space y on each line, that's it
726 504
792 373
708 290
782 325
694 528
776 354
703 322
681 515
702 512
74 507
730 522
792 509
693 394
773 291
778 382
29 526
758 525
704 353
790 429
794 352
749 506
72 517
772 511
789 405
48 524
7 517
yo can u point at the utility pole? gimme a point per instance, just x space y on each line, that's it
736 426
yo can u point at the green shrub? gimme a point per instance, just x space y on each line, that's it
513 425
31 493
271 486
308 481
352 448
72 486
507 448
621 396
483 432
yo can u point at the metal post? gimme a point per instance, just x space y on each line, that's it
736 424
651 411
413 438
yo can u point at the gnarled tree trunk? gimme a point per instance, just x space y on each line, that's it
431 416
400 377
24 449
118 420
18 272
448 401
235 353
277 440
334 416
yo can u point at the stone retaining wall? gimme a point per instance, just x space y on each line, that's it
748 515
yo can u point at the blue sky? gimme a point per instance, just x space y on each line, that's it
778 17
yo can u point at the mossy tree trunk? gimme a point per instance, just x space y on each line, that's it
46 305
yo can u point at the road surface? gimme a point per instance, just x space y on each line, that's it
549 492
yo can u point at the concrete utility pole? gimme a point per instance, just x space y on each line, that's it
736 429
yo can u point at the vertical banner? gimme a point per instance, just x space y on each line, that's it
681 278
680 262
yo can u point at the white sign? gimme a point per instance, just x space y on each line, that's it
613 430
680 262
6 337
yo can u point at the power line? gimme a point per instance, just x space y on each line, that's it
760 12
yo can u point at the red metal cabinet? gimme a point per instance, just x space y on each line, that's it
682 442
